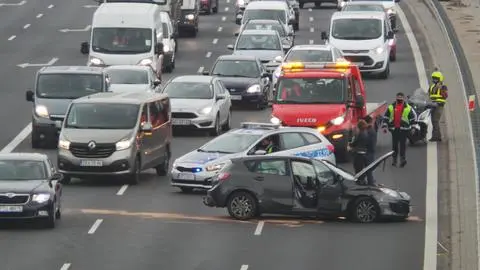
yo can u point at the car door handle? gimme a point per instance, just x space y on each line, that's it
258 178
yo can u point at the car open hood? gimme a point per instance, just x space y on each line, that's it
202 158
317 114
25 186
373 165
122 88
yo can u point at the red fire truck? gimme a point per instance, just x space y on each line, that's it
327 96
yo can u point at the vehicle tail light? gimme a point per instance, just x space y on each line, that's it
223 176
331 148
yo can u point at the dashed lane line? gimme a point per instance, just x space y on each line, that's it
200 69
220 29
95 226
259 228
311 29
244 267
208 55
310 19
122 190
12 38
50 6
224 18
26 26
215 41
66 266
310 41
39 15
226 9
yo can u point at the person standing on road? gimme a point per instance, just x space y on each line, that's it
438 93
359 148
399 117
372 144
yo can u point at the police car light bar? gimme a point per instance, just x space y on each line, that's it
298 66
254 125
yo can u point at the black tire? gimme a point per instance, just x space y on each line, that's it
296 26
36 143
51 220
365 210
186 189
162 169
217 129
67 179
242 206
386 73
228 124
393 57
134 177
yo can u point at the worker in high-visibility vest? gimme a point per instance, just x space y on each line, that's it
438 93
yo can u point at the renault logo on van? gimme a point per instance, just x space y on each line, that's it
91 145
10 195
306 120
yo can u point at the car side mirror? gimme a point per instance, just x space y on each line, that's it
29 96
159 48
85 47
220 97
157 82
206 72
236 34
230 47
260 152
359 101
278 59
324 35
56 177
147 129
390 35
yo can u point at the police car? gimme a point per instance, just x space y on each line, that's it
195 170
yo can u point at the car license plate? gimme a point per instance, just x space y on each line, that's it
181 122
236 97
91 163
186 176
359 64
11 209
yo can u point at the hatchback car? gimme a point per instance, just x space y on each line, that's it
132 78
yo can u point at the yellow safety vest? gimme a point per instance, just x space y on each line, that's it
435 93
405 121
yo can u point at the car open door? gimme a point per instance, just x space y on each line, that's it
330 189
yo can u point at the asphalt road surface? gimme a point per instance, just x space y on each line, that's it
153 226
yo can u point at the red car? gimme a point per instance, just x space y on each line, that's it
209 6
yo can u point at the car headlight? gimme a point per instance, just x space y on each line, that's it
95 61
274 120
64 144
390 192
190 17
338 121
206 110
145 62
254 89
41 111
215 167
41 198
378 50
122 145
390 11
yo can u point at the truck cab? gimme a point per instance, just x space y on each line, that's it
329 97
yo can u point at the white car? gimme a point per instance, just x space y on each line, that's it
199 102
307 53
364 38
125 78
268 10
389 6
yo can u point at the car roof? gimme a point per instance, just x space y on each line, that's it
319 47
122 8
269 157
234 57
24 156
136 98
193 78
259 32
262 21
360 3
128 67
71 70
267 5
359 15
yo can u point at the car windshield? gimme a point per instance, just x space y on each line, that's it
363 8
122 40
311 91
236 68
309 56
229 143
21 170
357 29
189 90
265 14
68 86
125 76
258 42
102 116
266 26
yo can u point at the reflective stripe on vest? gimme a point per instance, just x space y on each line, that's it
435 93
269 149
405 121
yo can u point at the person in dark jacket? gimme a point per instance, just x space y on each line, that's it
372 144
359 148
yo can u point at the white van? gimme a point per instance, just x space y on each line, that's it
363 37
126 34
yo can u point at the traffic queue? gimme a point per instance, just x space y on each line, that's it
115 116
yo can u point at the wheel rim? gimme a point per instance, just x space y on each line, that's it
366 211
241 207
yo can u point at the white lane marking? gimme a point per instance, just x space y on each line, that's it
208 55
220 29
95 226
258 230
51 6
310 19
49 63
310 41
226 9
310 10
431 207
26 26
17 140
90 6
228 1
215 40
66 266
13 4
39 15
311 29
244 267
122 190
200 69
224 18
12 38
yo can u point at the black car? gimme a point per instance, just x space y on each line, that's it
251 186
286 33
245 78
30 188
188 23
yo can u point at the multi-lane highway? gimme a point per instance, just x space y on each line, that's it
153 226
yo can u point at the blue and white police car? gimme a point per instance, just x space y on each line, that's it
195 170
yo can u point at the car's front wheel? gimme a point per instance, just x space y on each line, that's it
365 210
242 205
